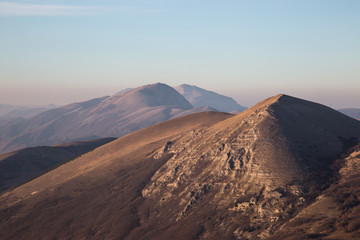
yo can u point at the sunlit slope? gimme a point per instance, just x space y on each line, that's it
99 190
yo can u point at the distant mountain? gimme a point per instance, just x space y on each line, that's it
23 165
112 116
5 109
12 112
351 112
199 97
286 168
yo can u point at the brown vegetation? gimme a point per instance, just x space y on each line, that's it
274 171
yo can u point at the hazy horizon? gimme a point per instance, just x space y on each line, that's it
247 99
59 52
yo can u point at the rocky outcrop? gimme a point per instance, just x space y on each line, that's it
252 164
279 170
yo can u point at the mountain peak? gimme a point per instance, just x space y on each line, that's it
152 95
244 177
255 161
117 115
186 87
282 96
272 100
154 86
199 97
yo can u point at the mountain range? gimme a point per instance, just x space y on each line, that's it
114 116
11 111
286 168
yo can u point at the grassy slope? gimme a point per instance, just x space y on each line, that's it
97 195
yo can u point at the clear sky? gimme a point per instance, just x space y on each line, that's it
64 51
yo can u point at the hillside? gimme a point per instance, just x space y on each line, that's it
199 97
251 172
334 214
25 164
255 175
112 116
82 188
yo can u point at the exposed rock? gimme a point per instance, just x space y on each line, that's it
280 170
254 163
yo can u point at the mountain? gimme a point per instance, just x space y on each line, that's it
11 112
199 97
351 112
23 165
286 168
112 116
98 194
253 172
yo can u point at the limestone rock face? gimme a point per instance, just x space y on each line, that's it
261 164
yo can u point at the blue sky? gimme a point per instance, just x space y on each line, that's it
65 51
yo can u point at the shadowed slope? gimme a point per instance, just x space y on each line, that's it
335 212
22 165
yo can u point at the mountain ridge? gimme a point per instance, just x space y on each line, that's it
13 111
203 176
112 116
246 170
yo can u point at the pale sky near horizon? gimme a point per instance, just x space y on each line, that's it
65 51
